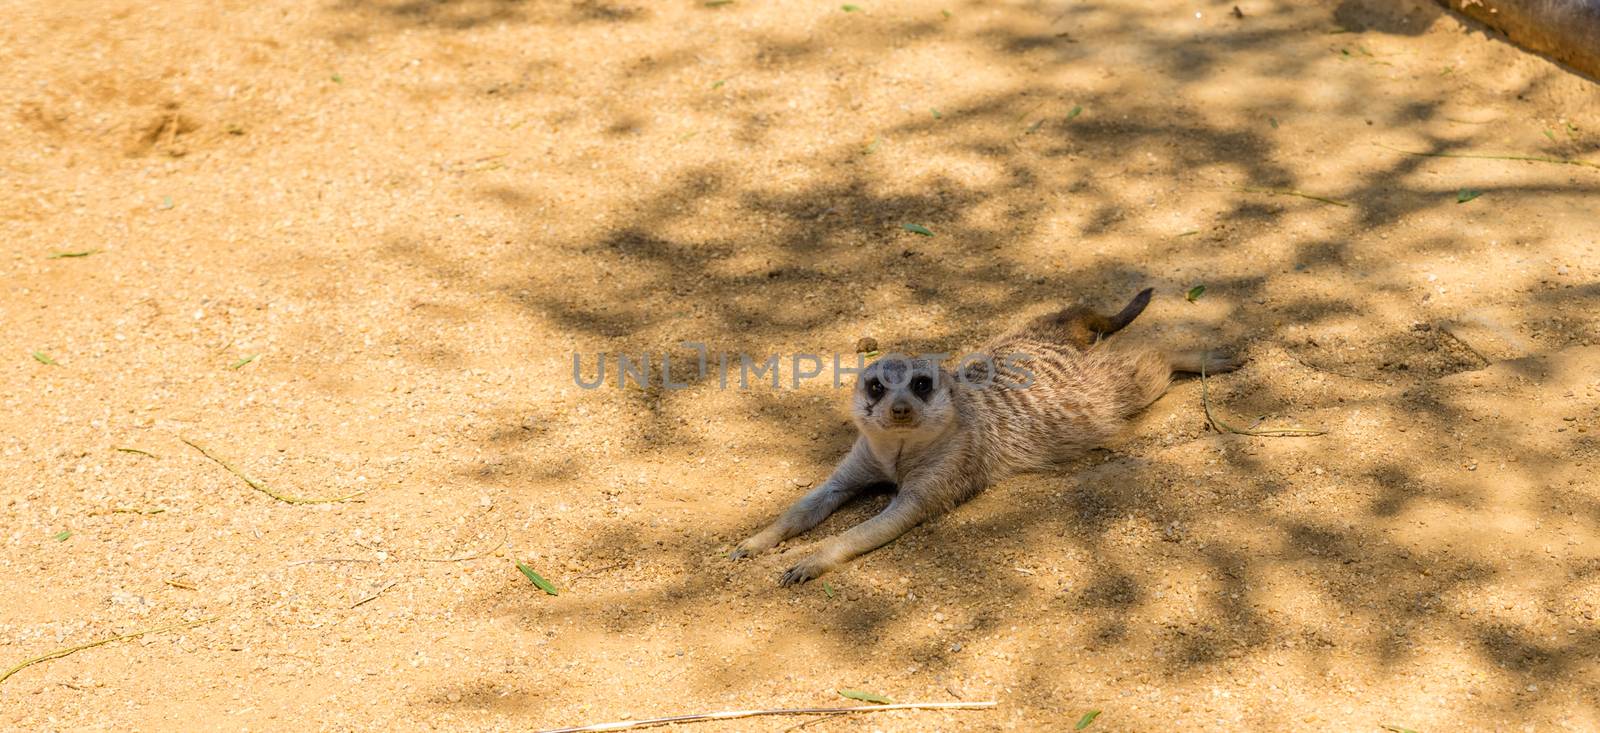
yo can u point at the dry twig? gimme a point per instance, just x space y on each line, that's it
1291 192
59 653
124 510
1475 156
812 722
314 560
731 714
376 593
1222 427
473 555
258 486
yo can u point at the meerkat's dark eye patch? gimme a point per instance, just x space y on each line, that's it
875 389
921 385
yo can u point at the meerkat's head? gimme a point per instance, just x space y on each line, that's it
906 397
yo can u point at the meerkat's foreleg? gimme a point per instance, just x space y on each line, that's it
854 474
905 511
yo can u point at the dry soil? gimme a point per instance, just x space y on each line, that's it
408 215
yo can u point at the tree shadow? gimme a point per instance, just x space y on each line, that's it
1176 556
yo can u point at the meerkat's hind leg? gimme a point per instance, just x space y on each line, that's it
1213 361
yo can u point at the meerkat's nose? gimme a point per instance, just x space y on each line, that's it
900 410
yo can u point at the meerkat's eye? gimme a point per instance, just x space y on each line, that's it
874 389
921 385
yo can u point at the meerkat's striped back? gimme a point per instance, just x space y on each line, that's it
1081 392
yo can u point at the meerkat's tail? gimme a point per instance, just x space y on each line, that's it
1082 327
1128 313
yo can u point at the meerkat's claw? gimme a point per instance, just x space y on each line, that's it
749 548
808 569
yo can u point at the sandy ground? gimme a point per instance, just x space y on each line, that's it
413 213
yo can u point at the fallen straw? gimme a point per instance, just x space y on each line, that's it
376 593
59 653
731 714
470 555
1222 427
1477 156
1291 192
258 486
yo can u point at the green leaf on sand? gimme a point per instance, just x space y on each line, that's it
1467 194
865 696
1086 720
43 358
828 589
63 535
850 8
84 253
1076 110
917 229
1397 729
1194 293
538 580
244 361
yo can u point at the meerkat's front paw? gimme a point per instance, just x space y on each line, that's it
753 546
1217 363
1207 362
808 569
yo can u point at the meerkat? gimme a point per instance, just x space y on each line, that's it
1047 391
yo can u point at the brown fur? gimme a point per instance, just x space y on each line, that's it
943 444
